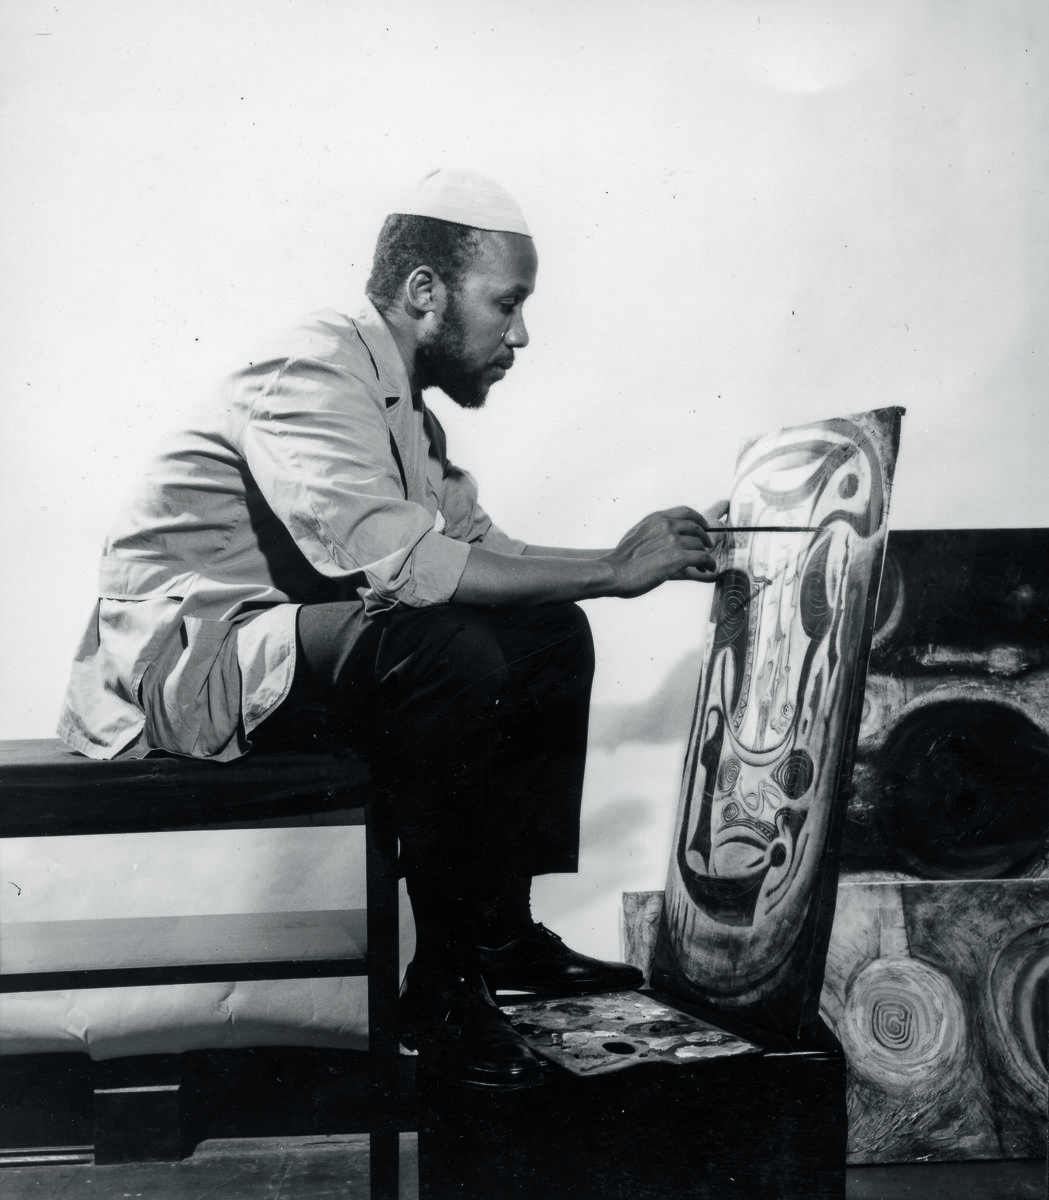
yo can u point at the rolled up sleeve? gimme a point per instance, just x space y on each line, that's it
317 444
466 519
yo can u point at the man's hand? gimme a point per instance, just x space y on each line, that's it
666 545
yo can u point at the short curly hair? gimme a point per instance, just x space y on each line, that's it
406 242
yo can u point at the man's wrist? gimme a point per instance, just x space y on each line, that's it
604 578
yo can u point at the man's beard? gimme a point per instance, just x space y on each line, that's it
442 361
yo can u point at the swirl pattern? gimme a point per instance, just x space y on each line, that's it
732 599
795 774
815 605
903 1024
728 774
892 1023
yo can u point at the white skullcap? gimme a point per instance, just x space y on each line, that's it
465 198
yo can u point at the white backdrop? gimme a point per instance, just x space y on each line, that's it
747 214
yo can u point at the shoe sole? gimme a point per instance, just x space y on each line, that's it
488 1085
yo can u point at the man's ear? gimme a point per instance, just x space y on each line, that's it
424 290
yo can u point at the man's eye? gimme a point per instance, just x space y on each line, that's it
508 306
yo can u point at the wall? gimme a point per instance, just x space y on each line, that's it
748 215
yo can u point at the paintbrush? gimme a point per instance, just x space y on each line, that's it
764 529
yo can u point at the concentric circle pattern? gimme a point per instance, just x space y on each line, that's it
903 1023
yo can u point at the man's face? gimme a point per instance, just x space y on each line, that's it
480 325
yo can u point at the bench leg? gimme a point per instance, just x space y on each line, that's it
138 1111
383 987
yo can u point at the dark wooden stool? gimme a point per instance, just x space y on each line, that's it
47 790
644 1101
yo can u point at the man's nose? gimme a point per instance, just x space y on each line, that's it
517 334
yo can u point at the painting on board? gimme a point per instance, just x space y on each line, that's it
939 993
952 758
753 870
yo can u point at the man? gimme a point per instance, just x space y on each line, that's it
304 562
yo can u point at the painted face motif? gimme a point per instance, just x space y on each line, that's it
790 614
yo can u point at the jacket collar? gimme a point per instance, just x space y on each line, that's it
385 354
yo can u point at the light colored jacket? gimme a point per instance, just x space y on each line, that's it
314 475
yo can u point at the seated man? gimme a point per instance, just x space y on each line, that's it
304 564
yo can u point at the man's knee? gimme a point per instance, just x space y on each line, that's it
577 627
562 633
445 646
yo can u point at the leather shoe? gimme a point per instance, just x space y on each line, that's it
454 1024
539 962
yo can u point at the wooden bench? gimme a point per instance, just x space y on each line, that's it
47 790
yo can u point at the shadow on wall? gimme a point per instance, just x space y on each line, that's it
662 717
633 777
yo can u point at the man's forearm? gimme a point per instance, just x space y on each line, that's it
673 544
536 577
563 552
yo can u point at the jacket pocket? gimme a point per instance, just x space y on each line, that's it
191 694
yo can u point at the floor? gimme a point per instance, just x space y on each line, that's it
265 1126
244 1169
321 1168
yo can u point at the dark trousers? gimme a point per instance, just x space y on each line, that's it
474 724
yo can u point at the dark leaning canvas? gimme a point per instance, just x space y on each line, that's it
753 870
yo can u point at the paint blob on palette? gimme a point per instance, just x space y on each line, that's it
750 886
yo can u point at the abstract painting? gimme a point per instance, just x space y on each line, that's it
939 993
753 870
937 978
952 758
